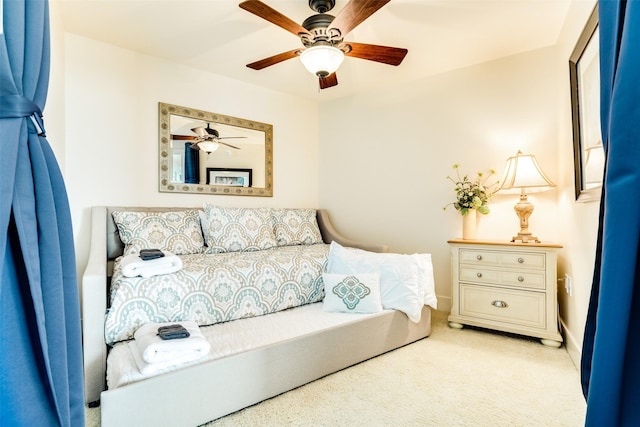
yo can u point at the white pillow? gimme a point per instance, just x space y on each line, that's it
296 227
352 293
402 285
425 272
238 229
177 232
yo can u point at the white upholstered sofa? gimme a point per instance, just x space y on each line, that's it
265 365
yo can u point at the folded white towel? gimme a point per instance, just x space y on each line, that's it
155 350
150 369
133 266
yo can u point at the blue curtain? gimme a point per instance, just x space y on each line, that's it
191 164
40 339
611 349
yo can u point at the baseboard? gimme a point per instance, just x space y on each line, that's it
573 346
444 303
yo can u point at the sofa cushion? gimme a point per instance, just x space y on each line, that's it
352 293
296 227
238 229
177 232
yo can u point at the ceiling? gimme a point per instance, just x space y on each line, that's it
218 36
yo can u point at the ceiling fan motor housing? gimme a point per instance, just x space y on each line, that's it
213 132
321 6
318 27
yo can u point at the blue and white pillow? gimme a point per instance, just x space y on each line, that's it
352 293
296 227
238 229
177 232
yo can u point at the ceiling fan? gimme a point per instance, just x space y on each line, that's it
206 139
322 36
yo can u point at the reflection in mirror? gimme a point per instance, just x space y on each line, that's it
584 77
192 143
591 149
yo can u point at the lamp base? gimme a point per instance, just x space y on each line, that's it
524 209
525 238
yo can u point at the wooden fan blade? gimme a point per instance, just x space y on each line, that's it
275 59
228 145
183 138
329 81
354 13
266 12
373 52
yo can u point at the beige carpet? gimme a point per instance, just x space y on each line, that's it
468 377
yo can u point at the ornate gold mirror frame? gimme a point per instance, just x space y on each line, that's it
252 137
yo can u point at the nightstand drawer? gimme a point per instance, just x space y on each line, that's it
502 259
475 256
479 275
522 308
528 280
522 260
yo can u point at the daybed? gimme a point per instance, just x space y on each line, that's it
252 358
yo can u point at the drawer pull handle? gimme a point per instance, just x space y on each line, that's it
521 260
520 279
479 257
479 275
499 304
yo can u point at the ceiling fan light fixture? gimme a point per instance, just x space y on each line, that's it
208 146
322 60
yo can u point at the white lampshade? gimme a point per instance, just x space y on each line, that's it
208 146
523 172
322 60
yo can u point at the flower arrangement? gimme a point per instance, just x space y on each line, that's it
472 194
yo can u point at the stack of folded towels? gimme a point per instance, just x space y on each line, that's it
133 265
155 355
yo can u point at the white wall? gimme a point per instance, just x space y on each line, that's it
384 156
112 97
53 113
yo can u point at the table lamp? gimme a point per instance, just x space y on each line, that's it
523 172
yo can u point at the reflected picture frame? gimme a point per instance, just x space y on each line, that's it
584 75
231 177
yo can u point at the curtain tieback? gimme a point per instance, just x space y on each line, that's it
17 106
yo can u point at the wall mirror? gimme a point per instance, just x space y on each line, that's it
584 74
238 160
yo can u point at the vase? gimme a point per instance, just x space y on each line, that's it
469 225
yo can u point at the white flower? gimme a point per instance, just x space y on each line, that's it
472 194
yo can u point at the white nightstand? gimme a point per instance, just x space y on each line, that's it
510 287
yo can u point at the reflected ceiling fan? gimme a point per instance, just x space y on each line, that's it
322 36
206 139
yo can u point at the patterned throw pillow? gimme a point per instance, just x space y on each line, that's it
296 227
352 293
238 229
177 232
